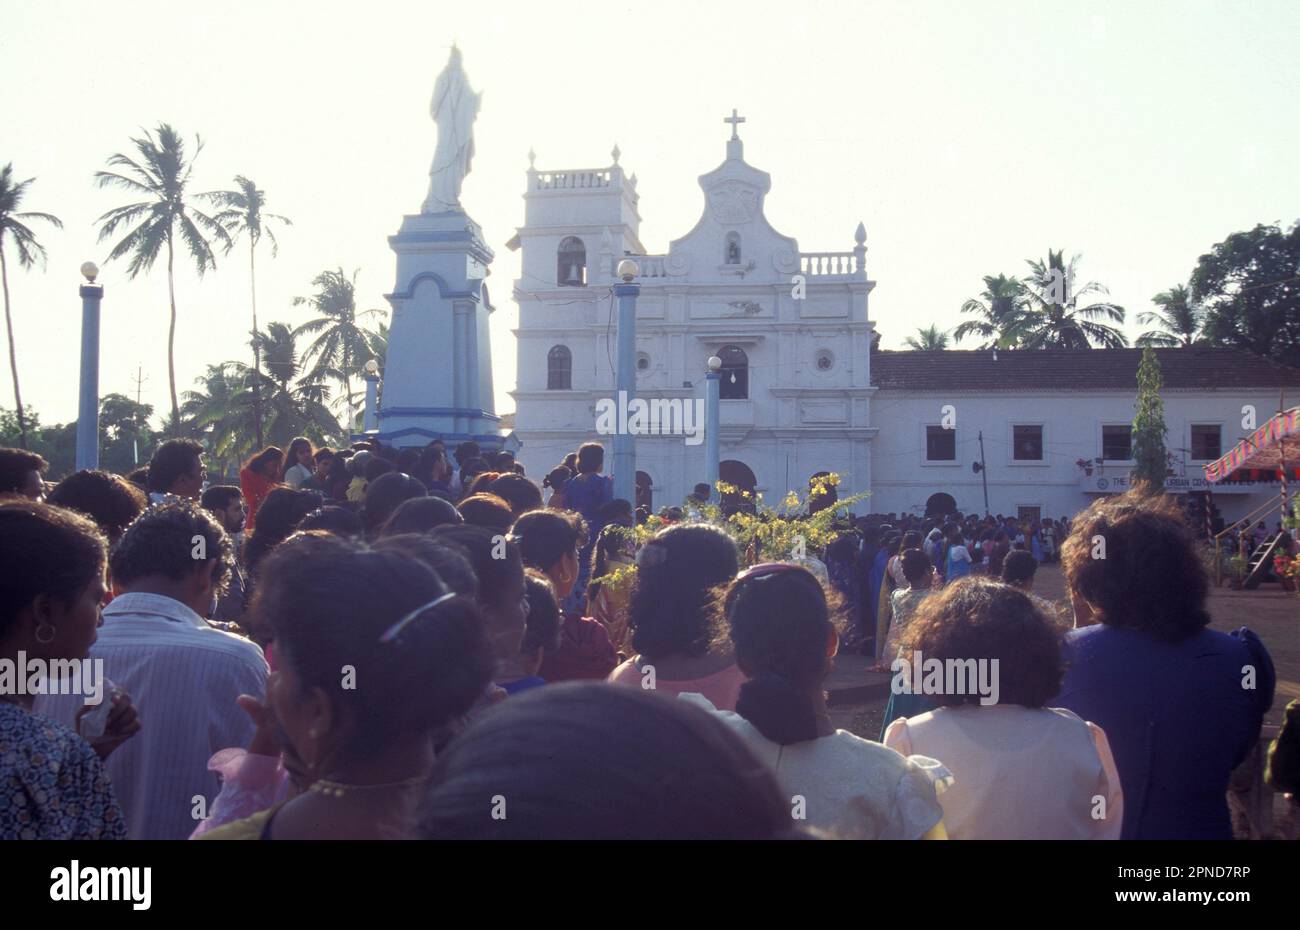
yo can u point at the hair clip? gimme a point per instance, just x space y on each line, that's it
396 629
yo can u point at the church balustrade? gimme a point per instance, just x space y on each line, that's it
572 180
818 264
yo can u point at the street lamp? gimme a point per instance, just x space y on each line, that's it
370 419
624 466
711 437
87 455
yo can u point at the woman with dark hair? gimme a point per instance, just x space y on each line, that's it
338 477
590 761
990 657
259 475
299 462
541 631
502 599
383 495
613 561
556 479
785 642
53 784
487 510
282 511
361 754
549 541
110 500
1145 667
419 515
481 481
517 491
671 617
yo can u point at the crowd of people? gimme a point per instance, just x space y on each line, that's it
375 642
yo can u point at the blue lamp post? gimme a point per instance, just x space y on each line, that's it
88 404
711 437
624 466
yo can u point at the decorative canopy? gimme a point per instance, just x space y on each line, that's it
1265 453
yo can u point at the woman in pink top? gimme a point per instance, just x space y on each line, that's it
670 616
990 657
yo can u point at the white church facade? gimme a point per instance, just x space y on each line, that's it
801 389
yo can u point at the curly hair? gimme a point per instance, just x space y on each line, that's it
163 541
982 619
1133 559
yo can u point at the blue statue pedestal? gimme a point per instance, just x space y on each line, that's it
438 372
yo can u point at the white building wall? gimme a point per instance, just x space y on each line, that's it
903 480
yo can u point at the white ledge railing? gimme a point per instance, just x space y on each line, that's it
572 180
814 264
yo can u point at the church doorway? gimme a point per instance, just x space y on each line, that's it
645 495
940 505
738 475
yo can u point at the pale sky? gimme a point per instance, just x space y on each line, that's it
967 136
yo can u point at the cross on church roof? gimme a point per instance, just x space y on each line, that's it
735 121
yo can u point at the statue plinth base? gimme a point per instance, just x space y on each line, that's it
438 373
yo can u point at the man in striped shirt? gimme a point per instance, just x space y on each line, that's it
183 674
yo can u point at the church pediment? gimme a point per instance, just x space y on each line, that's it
733 236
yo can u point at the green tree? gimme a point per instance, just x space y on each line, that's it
999 312
1178 321
1150 460
341 345
297 398
126 440
161 174
14 225
930 339
244 213
1249 285
1054 319
220 409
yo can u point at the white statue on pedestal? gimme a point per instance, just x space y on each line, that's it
454 108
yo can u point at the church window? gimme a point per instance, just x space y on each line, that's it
734 383
642 362
825 360
732 254
571 263
559 369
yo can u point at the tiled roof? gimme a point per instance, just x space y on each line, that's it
1074 369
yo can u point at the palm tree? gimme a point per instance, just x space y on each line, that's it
220 409
930 339
244 214
1000 311
1178 325
161 175
341 344
296 398
29 250
1054 320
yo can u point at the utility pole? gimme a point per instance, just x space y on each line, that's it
139 380
984 474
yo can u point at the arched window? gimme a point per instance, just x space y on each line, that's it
731 254
645 491
735 373
571 263
559 369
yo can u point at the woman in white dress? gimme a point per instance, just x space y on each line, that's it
780 626
1021 769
